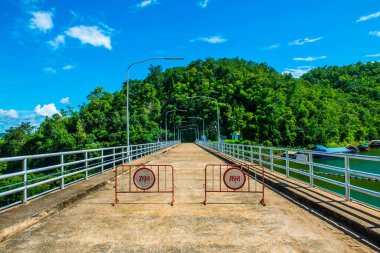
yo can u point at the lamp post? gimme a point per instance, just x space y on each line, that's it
193 125
127 88
180 131
166 122
217 110
175 125
203 128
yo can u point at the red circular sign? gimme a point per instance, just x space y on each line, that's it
144 178
234 178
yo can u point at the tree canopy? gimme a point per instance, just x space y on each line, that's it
329 105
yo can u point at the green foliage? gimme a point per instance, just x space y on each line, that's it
330 105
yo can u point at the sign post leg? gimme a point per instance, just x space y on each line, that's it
116 200
205 201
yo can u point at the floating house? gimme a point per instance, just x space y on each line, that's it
363 147
375 144
340 150
353 149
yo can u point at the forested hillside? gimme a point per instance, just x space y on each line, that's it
331 105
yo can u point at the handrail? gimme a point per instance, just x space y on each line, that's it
65 170
265 156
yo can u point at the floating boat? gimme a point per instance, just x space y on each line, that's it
321 148
375 144
363 147
291 154
353 149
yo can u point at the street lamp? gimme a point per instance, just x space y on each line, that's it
193 125
175 125
203 123
166 122
180 131
217 110
127 88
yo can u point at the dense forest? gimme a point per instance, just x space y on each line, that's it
329 105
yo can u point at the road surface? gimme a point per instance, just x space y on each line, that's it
147 223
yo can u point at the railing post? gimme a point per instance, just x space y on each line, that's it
102 160
25 179
122 155
260 157
311 169
62 160
129 153
86 157
251 151
271 158
287 162
233 150
114 158
347 177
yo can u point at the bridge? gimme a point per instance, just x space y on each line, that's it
78 213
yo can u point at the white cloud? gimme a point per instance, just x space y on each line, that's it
301 42
146 3
298 72
41 21
273 46
371 16
373 55
211 39
9 120
9 113
375 33
68 67
90 35
310 58
59 40
203 3
49 70
46 110
65 100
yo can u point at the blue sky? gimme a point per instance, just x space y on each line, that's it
53 53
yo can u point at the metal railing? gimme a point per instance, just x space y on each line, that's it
35 175
341 174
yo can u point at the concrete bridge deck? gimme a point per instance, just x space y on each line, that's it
146 222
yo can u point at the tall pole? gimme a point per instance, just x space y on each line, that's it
195 131
203 121
127 88
166 122
193 125
217 110
175 125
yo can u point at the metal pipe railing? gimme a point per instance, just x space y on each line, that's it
69 167
268 156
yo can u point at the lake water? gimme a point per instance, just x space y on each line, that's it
355 180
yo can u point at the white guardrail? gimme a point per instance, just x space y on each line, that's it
35 175
303 162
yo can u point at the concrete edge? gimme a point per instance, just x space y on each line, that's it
19 227
359 228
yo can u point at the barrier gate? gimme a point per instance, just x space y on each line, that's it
144 179
234 178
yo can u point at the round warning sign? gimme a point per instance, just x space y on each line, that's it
144 178
234 178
